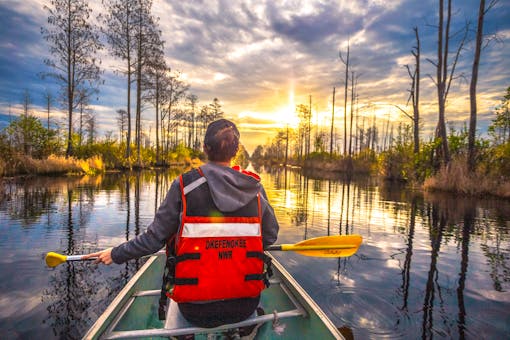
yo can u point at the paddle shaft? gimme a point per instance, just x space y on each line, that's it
274 247
78 258
291 247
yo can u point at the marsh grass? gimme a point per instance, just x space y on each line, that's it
456 178
19 164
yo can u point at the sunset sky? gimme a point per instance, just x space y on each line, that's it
262 58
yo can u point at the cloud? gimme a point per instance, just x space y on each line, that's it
255 55
314 27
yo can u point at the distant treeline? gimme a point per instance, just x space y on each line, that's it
391 154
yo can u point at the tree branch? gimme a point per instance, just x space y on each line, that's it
404 112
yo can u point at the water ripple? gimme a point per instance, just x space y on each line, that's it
368 314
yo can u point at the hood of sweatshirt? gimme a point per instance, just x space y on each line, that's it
230 189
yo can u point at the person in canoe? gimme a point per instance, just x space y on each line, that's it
216 221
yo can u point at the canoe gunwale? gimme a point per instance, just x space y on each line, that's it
303 297
124 295
104 327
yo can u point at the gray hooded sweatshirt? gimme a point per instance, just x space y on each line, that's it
230 191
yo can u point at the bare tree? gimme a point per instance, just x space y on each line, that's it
73 42
48 97
354 85
90 127
157 87
148 45
202 118
474 79
26 102
309 127
118 22
414 92
215 110
177 89
356 127
83 111
415 86
346 81
331 141
445 73
304 115
122 119
192 136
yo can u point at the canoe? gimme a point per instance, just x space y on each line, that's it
290 312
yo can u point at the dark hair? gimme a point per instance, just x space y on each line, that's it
221 140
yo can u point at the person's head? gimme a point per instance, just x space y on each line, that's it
221 141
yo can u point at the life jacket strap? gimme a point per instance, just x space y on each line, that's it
193 185
254 277
168 279
187 256
185 281
269 269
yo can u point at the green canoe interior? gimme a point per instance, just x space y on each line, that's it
141 313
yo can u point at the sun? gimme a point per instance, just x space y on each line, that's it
286 115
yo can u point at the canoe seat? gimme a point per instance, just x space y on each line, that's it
175 321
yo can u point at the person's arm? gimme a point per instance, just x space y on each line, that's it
165 224
270 225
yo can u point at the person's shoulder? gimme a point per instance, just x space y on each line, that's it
246 172
191 175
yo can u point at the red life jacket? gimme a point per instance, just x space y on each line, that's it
217 255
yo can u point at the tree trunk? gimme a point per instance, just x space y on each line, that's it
157 117
441 80
128 52
332 125
70 93
139 90
80 134
346 62
416 101
309 132
352 113
48 108
287 146
472 88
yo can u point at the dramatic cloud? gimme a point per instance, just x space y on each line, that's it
261 58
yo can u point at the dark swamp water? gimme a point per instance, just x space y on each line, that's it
430 266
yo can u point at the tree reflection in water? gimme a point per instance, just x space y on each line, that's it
72 287
446 249
79 292
430 265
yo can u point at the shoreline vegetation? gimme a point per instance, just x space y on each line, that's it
44 155
457 162
22 165
27 147
455 178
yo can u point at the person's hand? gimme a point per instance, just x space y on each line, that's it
103 256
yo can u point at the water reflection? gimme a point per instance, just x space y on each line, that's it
451 255
430 265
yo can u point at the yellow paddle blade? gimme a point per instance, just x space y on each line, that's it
54 259
327 246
